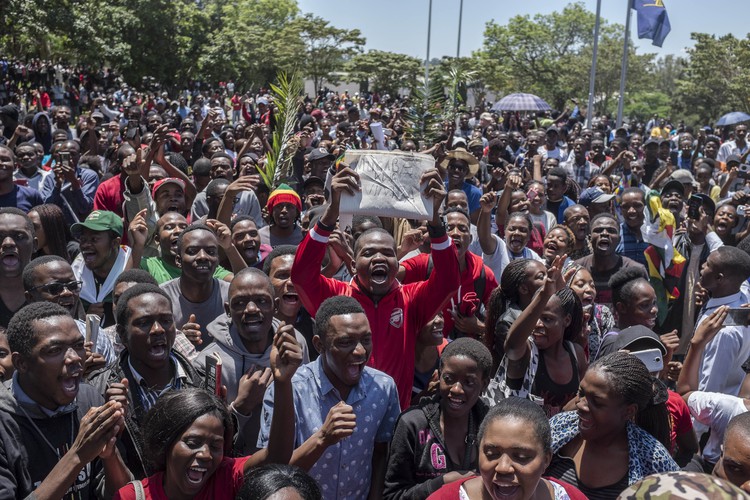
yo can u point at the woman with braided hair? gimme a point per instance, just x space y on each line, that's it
617 434
519 282
541 361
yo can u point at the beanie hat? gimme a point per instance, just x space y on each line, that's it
284 194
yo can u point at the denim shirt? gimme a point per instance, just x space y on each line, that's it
344 470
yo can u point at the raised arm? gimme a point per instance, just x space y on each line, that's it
487 202
516 345
312 287
157 150
706 331
286 357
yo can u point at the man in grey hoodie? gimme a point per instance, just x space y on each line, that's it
243 338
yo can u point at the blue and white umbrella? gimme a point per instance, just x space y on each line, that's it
732 118
521 102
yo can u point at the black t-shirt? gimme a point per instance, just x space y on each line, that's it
6 314
554 206
601 278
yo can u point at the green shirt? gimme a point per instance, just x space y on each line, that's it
164 272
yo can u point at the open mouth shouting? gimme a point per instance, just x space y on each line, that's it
502 489
158 349
354 370
10 260
516 243
379 274
69 382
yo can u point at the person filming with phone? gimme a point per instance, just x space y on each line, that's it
71 188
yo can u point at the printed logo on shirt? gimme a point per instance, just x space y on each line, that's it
437 456
397 317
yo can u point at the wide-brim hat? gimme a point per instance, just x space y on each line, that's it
462 154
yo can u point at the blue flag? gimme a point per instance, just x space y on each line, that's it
653 21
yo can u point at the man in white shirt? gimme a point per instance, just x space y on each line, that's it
722 276
738 146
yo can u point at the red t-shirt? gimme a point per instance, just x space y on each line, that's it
450 491
224 484
416 270
679 418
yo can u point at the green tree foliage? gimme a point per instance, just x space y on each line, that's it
250 41
386 72
641 106
325 48
715 78
550 55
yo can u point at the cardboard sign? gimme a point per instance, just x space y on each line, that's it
389 184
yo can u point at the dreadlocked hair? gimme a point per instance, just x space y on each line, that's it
571 304
632 381
514 275
56 230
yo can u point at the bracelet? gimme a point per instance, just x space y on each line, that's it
326 227
235 410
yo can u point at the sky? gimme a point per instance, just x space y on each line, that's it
401 26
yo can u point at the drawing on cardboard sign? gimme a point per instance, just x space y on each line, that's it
390 184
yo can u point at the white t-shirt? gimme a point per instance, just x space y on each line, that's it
714 410
501 258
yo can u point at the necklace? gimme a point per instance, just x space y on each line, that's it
39 431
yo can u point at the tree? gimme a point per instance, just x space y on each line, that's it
716 76
385 72
550 55
325 48
250 41
641 106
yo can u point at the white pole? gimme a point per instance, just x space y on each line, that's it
624 71
460 16
592 78
427 61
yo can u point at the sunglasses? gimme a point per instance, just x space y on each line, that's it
57 288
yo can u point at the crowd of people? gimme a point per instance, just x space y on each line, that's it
569 323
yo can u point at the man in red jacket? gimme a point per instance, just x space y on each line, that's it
396 312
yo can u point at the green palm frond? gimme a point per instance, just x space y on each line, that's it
458 78
284 143
423 120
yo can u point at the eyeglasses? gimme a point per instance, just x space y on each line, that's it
57 288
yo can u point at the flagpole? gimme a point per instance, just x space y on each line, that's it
624 70
460 16
592 78
427 61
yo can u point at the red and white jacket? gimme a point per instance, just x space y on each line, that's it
397 318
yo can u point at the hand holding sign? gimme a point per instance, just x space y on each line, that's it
393 184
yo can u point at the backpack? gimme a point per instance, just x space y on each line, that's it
479 287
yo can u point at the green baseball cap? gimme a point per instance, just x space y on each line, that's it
99 220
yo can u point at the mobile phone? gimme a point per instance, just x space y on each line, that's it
742 210
694 207
738 316
531 194
652 358
65 157
213 373
92 329
744 171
